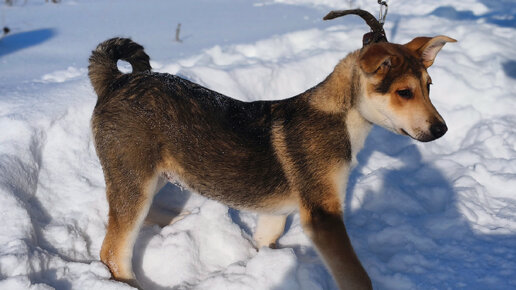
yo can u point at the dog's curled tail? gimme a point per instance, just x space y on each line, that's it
103 69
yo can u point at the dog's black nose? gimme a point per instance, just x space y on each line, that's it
438 129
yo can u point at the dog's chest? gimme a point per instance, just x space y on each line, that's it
358 129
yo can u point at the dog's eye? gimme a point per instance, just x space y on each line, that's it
406 94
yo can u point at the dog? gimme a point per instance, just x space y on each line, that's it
271 157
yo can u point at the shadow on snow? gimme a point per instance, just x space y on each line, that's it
500 13
509 68
21 178
21 40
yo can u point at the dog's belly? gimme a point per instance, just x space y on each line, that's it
232 167
257 195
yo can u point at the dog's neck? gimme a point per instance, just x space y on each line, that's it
340 93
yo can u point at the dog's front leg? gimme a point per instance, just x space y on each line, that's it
322 221
269 229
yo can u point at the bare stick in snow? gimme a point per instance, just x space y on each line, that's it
178 31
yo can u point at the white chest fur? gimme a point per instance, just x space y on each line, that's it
358 129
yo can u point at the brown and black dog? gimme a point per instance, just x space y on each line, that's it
272 157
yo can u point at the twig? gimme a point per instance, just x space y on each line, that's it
178 31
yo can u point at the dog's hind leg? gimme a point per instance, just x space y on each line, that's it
129 204
268 229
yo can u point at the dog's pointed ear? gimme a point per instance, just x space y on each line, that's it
428 47
377 59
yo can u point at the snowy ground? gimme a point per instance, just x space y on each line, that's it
438 215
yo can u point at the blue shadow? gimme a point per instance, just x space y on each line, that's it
509 68
417 195
17 41
501 16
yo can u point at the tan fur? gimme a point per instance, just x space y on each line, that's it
117 248
268 230
272 157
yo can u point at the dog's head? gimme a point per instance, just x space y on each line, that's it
396 87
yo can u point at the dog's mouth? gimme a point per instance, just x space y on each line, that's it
421 137
403 132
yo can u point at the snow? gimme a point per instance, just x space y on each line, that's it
439 215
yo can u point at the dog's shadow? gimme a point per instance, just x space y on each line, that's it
397 206
424 186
